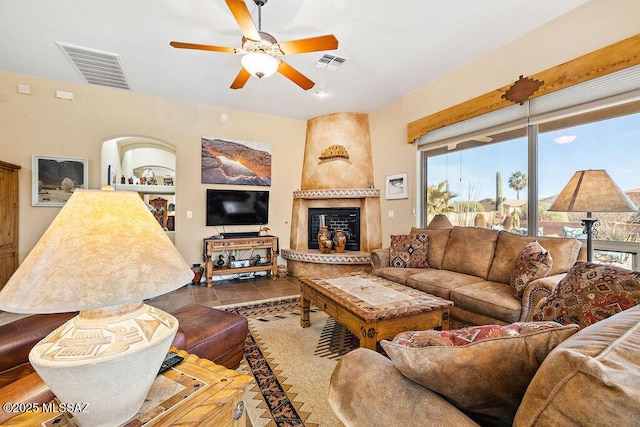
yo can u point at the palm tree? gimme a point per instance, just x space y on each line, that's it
518 181
439 198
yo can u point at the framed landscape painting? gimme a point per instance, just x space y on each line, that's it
396 186
56 178
226 161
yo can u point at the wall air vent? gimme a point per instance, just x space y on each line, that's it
97 67
330 62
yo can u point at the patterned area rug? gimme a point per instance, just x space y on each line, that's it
292 365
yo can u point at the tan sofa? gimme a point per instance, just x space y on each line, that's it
590 379
472 266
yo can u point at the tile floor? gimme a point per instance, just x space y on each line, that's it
225 292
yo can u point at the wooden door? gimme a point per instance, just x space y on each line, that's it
8 221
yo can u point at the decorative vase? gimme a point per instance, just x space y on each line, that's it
282 270
339 241
325 243
197 273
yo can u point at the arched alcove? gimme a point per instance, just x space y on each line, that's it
146 165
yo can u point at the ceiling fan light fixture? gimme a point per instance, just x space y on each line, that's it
260 64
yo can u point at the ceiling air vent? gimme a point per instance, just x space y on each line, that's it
330 62
97 67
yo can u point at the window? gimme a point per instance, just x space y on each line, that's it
611 144
483 186
463 180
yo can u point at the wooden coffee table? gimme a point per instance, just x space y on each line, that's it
373 308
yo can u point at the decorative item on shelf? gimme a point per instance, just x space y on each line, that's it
339 241
220 262
143 180
149 176
334 151
589 191
325 243
130 180
282 270
167 180
123 180
197 273
116 341
264 231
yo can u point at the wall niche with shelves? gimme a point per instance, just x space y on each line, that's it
147 166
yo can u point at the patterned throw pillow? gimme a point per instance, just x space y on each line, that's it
481 369
409 251
589 293
533 263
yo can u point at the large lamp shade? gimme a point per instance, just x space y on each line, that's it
103 248
590 191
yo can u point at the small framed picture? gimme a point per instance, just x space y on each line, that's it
56 178
396 186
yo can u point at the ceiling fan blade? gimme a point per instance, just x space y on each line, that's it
240 11
181 45
312 44
241 79
295 76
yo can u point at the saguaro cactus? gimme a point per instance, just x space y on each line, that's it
499 198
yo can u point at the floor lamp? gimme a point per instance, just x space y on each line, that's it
590 191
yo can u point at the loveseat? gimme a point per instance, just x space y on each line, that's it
473 266
589 379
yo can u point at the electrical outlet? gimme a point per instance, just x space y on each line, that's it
189 214
391 214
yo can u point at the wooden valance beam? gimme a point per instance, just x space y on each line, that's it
609 59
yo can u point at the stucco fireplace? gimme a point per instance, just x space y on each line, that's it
342 183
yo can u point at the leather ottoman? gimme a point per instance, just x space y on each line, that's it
212 334
206 332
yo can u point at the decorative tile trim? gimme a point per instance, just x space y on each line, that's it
331 258
345 193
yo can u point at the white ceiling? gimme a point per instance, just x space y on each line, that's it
393 47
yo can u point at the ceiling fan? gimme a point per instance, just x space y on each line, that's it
262 51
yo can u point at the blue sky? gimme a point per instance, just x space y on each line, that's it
613 145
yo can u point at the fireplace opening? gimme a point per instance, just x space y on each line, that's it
345 219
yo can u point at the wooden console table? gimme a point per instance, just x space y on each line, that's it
197 391
212 246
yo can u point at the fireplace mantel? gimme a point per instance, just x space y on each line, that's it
338 193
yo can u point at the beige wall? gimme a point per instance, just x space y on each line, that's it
42 124
594 25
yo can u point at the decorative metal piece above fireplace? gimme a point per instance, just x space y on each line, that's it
345 219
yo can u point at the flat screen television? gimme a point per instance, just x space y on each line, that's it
237 207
